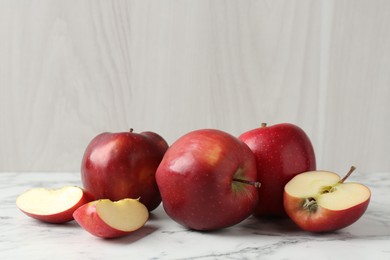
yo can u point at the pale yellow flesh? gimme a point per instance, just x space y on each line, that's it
125 215
311 184
41 201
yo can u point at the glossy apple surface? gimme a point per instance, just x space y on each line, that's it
107 219
197 180
281 151
123 165
52 205
319 201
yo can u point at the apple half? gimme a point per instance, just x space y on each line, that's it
52 205
319 201
107 219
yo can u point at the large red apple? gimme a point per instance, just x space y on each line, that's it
320 201
123 165
282 151
107 219
207 180
52 205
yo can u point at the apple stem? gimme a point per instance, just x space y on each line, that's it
256 184
348 174
131 130
263 124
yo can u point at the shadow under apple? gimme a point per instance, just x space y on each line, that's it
135 236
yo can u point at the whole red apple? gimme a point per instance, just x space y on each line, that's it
320 201
207 180
281 151
123 165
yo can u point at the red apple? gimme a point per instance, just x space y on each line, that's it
52 205
322 202
207 180
107 219
123 165
281 151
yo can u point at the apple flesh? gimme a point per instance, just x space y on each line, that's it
122 165
208 180
52 205
320 201
281 151
107 219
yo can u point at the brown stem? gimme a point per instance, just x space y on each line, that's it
256 184
263 124
348 174
131 130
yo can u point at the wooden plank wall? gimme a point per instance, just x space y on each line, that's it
72 69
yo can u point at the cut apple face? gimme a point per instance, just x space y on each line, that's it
320 201
107 219
125 215
52 205
325 188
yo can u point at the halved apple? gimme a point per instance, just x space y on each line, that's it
319 201
107 219
52 205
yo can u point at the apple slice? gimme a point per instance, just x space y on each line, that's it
107 219
52 205
318 201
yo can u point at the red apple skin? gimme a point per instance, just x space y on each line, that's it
65 216
87 217
281 151
195 180
323 220
123 165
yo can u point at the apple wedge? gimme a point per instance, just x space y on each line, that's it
107 219
52 205
319 201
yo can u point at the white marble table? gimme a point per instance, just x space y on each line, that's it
24 238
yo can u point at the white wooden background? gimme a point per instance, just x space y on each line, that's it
72 69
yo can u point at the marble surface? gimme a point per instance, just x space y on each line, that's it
161 238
